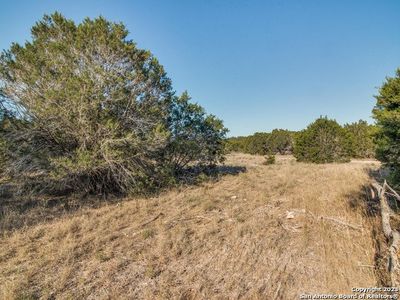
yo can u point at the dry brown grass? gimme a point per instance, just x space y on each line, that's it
228 239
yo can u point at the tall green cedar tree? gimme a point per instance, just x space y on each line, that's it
323 141
387 115
95 109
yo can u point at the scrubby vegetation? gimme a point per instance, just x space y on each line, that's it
360 138
90 111
278 141
387 116
323 141
326 141
2 145
270 160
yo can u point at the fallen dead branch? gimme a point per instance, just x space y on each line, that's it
393 192
393 236
340 222
291 214
277 290
152 219
172 223
366 266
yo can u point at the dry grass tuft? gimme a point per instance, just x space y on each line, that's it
228 239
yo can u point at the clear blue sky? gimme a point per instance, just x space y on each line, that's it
258 65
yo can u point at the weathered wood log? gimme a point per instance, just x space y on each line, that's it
394 267
393 236
393 192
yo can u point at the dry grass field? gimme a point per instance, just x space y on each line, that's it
271 232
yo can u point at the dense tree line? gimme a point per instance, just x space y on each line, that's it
278 141
322 141
87 110
325 141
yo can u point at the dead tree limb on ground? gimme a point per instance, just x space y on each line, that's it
393 236
152 219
